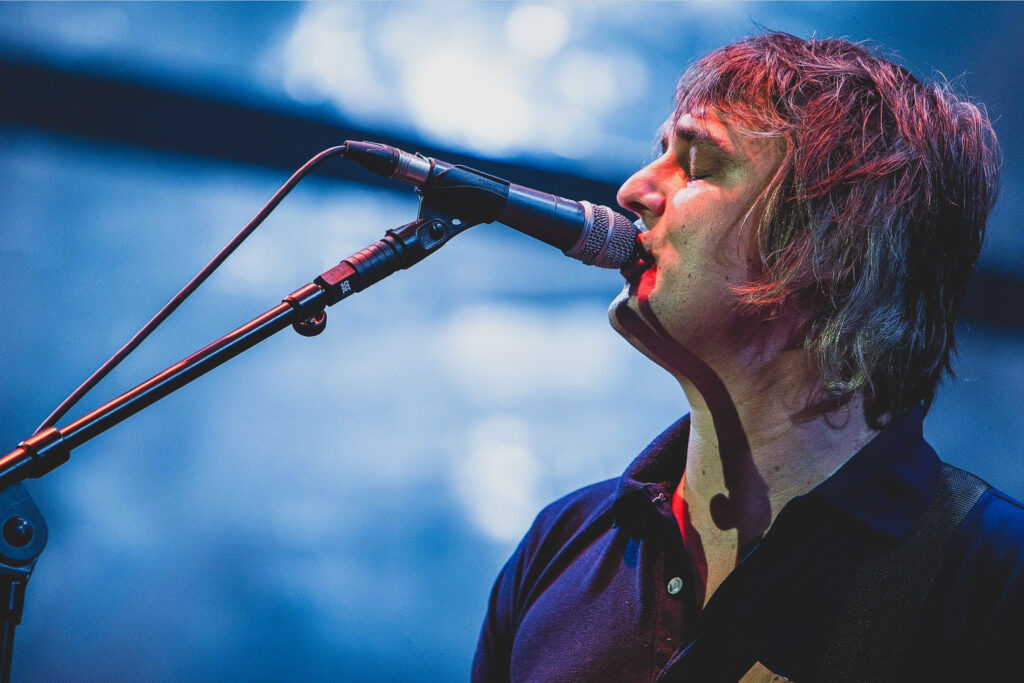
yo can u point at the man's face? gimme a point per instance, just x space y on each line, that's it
700 202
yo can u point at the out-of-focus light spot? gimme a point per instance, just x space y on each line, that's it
441 72
456 95
327 58
499 354
598 81
536 30
497 480
573 133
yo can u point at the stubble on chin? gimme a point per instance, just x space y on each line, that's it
626 316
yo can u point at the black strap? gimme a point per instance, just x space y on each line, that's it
890 588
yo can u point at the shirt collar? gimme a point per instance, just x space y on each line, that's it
885 485
655 472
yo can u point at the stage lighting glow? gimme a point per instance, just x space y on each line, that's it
327 59
456 95
497 354
536 30
497 480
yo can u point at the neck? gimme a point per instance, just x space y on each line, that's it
766 453
758 433
755 444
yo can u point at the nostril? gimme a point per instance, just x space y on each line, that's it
634 207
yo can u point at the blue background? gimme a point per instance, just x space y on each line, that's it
337 507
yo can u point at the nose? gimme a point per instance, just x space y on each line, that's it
640 194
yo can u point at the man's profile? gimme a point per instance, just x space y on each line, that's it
811 225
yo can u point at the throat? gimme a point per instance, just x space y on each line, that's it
714 545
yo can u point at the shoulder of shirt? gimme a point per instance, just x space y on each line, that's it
997 515
1013 504
581 502
990 542
985 562
561 520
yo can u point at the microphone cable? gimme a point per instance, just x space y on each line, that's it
187 290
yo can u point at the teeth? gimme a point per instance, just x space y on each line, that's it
644 255
642 252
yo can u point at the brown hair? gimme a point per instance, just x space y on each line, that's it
876 216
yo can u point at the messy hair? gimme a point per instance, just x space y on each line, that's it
876 216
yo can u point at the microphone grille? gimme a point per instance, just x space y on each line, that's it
609 242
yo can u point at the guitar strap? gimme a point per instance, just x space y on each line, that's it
881 609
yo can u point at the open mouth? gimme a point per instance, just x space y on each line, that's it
641 261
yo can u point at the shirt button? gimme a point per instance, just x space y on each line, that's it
675 585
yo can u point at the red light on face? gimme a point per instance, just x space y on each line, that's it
646 285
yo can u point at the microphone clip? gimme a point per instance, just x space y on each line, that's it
442 226
400 248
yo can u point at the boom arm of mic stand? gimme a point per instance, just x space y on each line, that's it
22 529
303 309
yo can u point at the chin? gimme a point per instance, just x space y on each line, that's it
627 301
624 299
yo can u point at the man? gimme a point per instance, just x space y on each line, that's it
810 228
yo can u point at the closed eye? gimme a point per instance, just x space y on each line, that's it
686 151
696 163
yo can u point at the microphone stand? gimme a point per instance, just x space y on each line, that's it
23 531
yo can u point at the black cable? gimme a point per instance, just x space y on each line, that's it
171 305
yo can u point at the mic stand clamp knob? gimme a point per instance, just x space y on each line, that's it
311 327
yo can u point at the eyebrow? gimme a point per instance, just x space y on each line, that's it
699 136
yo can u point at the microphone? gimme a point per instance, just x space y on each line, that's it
595 235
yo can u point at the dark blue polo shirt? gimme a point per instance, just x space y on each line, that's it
602 587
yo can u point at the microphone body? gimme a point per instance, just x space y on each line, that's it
595 235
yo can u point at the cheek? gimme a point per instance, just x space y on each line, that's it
683 196
707 211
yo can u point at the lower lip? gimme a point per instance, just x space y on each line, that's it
633 273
